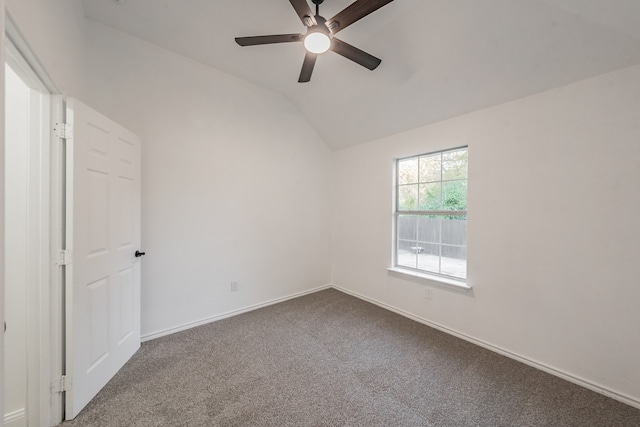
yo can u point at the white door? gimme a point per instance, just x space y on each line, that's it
103 236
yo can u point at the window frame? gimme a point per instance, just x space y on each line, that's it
438 277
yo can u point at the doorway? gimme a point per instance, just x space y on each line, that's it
27 236
54 157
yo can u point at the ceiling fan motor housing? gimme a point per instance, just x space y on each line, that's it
320 27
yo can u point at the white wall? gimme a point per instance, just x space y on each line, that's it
17 141
553 228
235 183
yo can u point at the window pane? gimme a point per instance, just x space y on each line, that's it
408 171
407 253
429 258
408 197
454 164
454 261
434 239
430 197
429 229
454 232
430 169
407 225
455 195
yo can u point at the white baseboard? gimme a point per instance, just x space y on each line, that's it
538 365
15 418
185 326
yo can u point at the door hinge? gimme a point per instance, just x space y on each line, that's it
65 257
62 384
63 130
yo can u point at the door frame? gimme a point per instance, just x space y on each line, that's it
44 292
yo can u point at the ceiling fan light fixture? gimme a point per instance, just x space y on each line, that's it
317 42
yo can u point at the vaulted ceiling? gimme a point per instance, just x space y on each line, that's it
440 58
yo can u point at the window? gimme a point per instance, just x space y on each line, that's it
431 213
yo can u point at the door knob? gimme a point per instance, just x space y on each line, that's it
139 254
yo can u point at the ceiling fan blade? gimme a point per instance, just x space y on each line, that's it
354 12
280 38
304 12
353 53
307 67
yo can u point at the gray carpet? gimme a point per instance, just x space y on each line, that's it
329 359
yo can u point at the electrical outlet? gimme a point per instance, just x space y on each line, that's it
428 294
234 286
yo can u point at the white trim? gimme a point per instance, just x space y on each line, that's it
2 199
56 271
430 278
621 397
15 418
38 319
228 314
14 35
38 297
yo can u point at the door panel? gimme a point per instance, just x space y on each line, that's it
103 233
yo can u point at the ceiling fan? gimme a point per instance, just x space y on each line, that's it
320 34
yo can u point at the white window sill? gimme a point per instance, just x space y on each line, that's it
439 280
